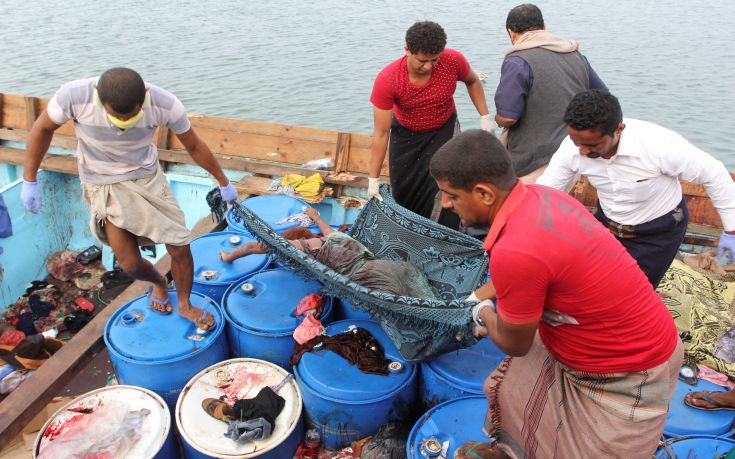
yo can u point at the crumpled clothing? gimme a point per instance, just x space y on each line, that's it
39 308
715 377
77 320
6 226
305 186
267 405
309 328
706 261
300 217
312 301
357 346
244 431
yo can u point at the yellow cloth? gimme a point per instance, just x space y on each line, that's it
305 186
703 304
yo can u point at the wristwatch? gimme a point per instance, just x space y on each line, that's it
479 307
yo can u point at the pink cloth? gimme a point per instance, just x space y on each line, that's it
312 301
308 329
715 377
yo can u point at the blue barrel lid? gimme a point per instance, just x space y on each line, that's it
330 375
271 208
458 421
685 420
268 307
699 446
468 368
136 332
209 267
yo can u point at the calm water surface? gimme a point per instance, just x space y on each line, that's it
313 63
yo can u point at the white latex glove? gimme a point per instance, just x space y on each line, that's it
228 192
487 124
373 190
479 307
30 196
472 297
726 249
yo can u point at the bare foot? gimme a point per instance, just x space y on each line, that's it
197 316
227 257
158 299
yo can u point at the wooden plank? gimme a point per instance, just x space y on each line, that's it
66 164
360 146
14 111
21 135
342 158
263 146
31 108
33 395
262 128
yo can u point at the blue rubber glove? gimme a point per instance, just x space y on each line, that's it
30 195
726 249
228 192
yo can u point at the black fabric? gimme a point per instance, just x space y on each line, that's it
25 324
217 205
411 184
267 405
655 243
77 320
358 347
388 443
39 308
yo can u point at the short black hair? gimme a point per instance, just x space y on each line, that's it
524 17
594 110
122 89
426 37
474 156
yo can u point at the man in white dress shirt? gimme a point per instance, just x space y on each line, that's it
635 167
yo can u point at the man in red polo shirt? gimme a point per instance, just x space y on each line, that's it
596 379
413 99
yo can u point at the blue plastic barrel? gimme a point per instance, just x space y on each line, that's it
260 314
271 208
162 352
683 420
457 421
156 434
699 446
202 436
212 276
348 311
345 404
458 373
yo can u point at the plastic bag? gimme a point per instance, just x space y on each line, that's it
110 431
388 443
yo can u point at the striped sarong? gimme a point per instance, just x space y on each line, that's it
541 408
144 207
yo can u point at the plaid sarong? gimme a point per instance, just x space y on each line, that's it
541 408
145 207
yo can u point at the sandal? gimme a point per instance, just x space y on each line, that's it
475 450
218 409
705 395
164 305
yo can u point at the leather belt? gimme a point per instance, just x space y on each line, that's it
620 230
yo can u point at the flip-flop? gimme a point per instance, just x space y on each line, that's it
705 395
470 452
165 303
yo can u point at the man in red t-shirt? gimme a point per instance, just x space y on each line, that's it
413 99
594 351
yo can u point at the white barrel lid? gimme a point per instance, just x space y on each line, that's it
154 431
206 434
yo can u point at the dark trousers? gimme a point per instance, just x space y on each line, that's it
410 154
653 244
